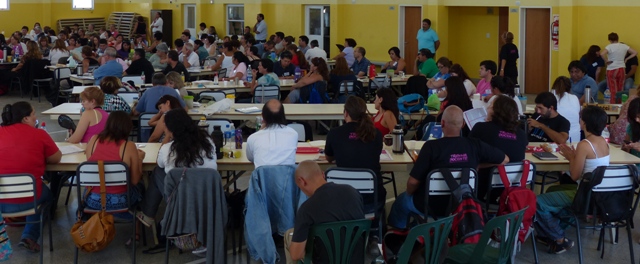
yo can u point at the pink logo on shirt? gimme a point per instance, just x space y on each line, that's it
507 135
353 136
457 158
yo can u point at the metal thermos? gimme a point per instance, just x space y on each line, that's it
218 140
587 94
398 139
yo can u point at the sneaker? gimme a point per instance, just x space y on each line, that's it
561 248
544 240
29 245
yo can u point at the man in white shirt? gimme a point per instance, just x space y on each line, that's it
188 57
315 52
275 143
186 37
260 29
156 25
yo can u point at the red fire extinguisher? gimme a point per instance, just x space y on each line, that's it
555 32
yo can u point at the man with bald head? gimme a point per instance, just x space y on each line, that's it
328 202
275 143
450 151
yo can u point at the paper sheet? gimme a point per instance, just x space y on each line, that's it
70 149
318 143
249 110
473 116
385 155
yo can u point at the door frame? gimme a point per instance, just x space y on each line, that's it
523 36
322 22
401 35
184 18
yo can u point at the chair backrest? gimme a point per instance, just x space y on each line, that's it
222 73
63 60
217 95
36 69
144 129
615 178
346 87
507 226
436 184
363 180
137 80
129 97
377 82
228 91
339 239
264 93
218 122
62 73
14 186
434 236
88 175
300 129
514 173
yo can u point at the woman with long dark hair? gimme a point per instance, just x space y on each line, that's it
457 70
386 103
504 86
240 62
633 128
318 72
456 95
340 72
357 143
568 105
593 62
125 50
191 147
33 53
164 105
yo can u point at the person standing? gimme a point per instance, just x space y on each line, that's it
427 37
260 29
156 25
615 54
508 57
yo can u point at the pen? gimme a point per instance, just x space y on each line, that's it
569 140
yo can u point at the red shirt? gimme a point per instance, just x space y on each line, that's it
294 60
24 150
107 151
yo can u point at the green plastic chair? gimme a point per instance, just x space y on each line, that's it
481 252
342 242
435 236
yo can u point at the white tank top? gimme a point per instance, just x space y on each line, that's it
227 63
592 164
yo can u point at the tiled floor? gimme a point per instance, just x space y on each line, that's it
116 252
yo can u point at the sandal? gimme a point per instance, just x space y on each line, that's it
30 245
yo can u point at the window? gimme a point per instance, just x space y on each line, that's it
235 19
4 4
82 4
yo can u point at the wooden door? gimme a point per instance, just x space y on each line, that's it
536 50
412 23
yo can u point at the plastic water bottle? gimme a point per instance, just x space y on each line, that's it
182 76
227 135
249 75
273 56
43 126
605 134
215 79
297 75
232 135
607 96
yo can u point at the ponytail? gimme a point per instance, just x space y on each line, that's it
12 114
357 110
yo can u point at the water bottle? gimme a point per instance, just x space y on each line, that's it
43 126
605 134
239 140
398 141
218 140
249 75
273 56
607 96
227 135
182 76
232 135
215 79
297 75
142 77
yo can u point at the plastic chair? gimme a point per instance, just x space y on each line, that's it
216 95
63 74
504 227
217 122
264 93
434 235
300 129
436 185
129 97
39 76
24 186
222 73
339 239
137 80
115 174
143 126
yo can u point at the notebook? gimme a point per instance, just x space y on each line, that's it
473 116
249 110
545 156
70 149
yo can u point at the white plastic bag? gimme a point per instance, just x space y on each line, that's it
223 105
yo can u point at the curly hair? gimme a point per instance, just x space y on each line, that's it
505 113
321 67
341 68
190 143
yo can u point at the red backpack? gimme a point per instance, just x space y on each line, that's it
516 198
468 222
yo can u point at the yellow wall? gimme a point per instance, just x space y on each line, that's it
468 43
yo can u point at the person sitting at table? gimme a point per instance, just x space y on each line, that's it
450 151
505 87
58 51
458 71
268 78
191 147
632 137
160 59
580 81
275 143
357 143
547 125
45 46
360 64
210 45
396 63
27 150
175 65
88 59
347 52
284 68
488 69
148 100
340 72
568 105
174 80
124 50
157 40
110 68
17 48
590 153
425 65
112 101
225 61
164 104
140 66
501 130
386 118
318 73
117 44
198 47
112 144
618 130
189 56
239 71
437 81
33 53
93 119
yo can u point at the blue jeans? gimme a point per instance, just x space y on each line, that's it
31 231
401 210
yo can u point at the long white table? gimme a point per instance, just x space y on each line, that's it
69 162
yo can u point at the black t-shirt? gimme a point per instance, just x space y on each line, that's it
350 152
329 203
558 124
139 66
284 72
509 52
179 69
449 152
512 144
592 67
631 62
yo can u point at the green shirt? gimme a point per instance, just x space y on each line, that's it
428 68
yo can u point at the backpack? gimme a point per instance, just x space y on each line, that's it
411 103
316 93
468 222
516 198
613 206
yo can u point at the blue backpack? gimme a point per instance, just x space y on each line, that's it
411 103
316 93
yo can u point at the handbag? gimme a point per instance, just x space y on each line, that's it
96 233
5 244
184 242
